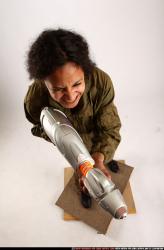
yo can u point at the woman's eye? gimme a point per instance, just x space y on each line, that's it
62 90
77 84
57 90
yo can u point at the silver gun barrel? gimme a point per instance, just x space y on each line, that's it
60 131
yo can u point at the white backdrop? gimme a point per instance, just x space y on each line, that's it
126 40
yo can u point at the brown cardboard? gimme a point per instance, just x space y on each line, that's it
96 217
129 200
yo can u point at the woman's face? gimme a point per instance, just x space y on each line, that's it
66 85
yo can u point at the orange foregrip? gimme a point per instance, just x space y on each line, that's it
85 167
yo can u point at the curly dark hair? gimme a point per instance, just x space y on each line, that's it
54 48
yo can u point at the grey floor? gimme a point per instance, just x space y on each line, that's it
31 180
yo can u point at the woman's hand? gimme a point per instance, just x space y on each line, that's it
99 163
81 181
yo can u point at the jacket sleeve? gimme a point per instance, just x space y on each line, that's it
34 102
107 123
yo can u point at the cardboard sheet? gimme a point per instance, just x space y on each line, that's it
95 216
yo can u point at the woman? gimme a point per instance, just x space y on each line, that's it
64 77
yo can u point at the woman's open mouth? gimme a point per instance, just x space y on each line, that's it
71 102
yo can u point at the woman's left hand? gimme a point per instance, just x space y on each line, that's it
99 163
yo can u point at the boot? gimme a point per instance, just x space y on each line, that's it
86 200
113 166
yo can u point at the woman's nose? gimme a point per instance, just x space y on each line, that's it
70 95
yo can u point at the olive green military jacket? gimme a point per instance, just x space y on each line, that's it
95 117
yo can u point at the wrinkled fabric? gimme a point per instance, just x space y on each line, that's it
95 117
